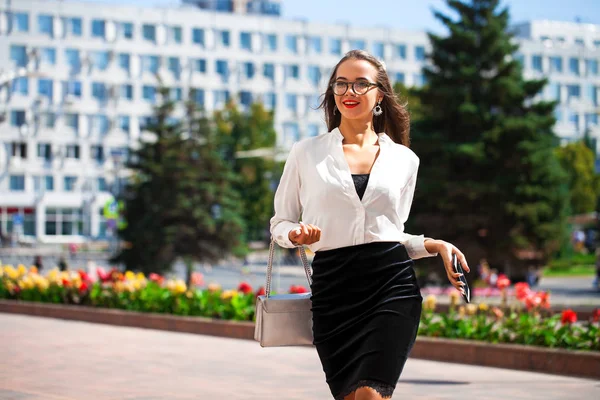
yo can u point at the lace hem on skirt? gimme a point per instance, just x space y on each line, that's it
383 389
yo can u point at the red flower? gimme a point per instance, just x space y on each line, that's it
522 290
502 282
66 282
245 288
596 315
103 275
83 287
260 291
568 316
84 276
544 299
532 301
297 289
156 278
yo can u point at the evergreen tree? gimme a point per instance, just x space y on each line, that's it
584 185
489 179
181 202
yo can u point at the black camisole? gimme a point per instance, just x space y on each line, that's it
360 183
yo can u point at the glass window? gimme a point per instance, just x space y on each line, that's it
592 94
45 88
48 119
19 150
72 88
45 25
44 150
591 119
400 77
270 100
174 66
74 26
124 61
150 64
149 93
225 37
573 91
520 58
126 30
554 91
21 22
73 151
245 98
579 42
314 74
97 153
269 71
401 51
99 124
72 56
17 183
72 121
291 133
221 67
198 96
221 98
48 55
574 66
313 101
18 55
291 102
271 42
378 50
98 28
101 182
574 119
200 65
246 41
312 130
315 45
175 34
556 64
418 80
198 36
43 183
357 44
149 32
100 59
249 70
419 53
20 86
17 118
175 94
335 46
124 122
591 67
69 186
536 63
99 91
291 43
292 71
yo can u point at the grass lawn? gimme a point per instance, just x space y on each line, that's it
575 270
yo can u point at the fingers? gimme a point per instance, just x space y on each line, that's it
462 260
307 234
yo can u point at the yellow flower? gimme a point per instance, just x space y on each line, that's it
454 297
461 311
429 303
10 286
228 294
140 276
11 272
119 287
26 283
33 269
180 286
137 285
483 307
1 271
471 309
22 270
129 275
213 287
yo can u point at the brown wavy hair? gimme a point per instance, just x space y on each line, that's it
395 120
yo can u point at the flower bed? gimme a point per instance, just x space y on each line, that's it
525 319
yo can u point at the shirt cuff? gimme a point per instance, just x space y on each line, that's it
415 247
281 232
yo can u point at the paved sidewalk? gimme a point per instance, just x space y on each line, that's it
48 359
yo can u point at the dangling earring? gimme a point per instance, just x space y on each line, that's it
377 111
334 109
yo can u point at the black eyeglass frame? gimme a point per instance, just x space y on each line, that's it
370 85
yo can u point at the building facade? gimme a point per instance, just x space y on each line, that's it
89 82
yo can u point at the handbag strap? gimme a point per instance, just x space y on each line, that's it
270 266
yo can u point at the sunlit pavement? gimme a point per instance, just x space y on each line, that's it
43 358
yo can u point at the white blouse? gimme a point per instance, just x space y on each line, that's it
317 184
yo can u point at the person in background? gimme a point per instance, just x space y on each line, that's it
37 262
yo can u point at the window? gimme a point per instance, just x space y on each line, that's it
574 66
245 98
145 122
221 68
125 30
150 64
314 74
69 184
197 96
72 151
20 22
72 88
18 55
312 130
579 42
591 67
420 53
101 182
17 118
271 42
175 94
556 64
200 65
73 26
225 38
520 58
19 150
45 25
149 32
48 55
126 92
269 71
99 91
64 221
291 102
592 94
357 44
291 43
558 115
72 121
45 88
554 91
174 66
536 63
100 59
124 123
43 183
315 44
401 51
99 123
418 80
124 61
335 46
72 56
20 86
379 50
48 119
221 98
198 36
573 91
17 183
97 153
400 77
291 134
270 100
98 28
249 70
246 41
149 93
313 101
591 119
292 71
175 34
574 119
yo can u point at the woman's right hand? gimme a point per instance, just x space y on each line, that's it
305 234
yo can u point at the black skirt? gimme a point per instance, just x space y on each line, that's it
366 307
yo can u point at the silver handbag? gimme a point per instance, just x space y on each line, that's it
284 319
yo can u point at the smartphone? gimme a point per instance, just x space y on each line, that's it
458 268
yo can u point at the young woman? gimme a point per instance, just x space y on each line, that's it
353 188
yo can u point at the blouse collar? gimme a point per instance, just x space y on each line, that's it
383 137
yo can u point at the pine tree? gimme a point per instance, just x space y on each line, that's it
489 179
182 202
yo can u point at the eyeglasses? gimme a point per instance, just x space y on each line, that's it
359 87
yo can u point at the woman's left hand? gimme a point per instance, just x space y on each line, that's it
446 250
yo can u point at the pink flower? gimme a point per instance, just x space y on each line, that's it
502 282
522 290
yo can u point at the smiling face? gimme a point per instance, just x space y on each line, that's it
359 105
